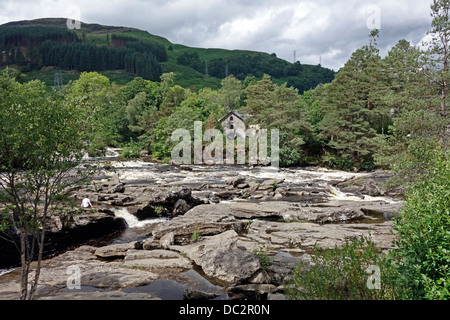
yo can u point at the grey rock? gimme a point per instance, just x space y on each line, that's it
190 294
115 250
156 260
221 258
167 240
261 276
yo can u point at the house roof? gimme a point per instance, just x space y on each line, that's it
232 113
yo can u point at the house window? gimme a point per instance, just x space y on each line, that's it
231 118
231 126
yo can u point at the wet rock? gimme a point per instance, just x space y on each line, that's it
73 229
157 202
190 294
371 184
254 291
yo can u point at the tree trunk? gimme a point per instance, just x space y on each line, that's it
38 266
24 271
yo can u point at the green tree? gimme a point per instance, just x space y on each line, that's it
231 93
439 52
182 118
135 108
352 106
409 97
211 101
280 107
40 146
418 94
91 94
172 98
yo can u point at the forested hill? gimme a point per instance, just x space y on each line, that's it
39 47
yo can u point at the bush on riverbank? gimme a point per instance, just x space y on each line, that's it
347 273
424 237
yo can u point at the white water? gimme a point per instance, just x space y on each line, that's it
337 194
132 221
5 271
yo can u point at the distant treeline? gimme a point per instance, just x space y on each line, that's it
302 77
34 47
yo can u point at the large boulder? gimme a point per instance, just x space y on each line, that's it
221 258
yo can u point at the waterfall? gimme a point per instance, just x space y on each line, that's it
132 221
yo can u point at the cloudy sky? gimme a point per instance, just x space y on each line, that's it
317 30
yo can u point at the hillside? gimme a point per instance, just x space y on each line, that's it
39 47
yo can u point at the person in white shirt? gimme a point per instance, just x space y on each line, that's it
86 203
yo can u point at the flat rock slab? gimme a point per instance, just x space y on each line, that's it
115 250
156 260
93 272
307 235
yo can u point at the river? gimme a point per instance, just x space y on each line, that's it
317 185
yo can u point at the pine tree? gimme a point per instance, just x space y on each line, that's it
352 107
418 95
439 55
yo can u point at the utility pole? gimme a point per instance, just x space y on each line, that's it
206 71
58 81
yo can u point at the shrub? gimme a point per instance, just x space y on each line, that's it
423 246
342 274
263 257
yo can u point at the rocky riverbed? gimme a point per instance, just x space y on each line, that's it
160 231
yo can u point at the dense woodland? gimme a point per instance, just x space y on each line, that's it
36 46
378 112
98 48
